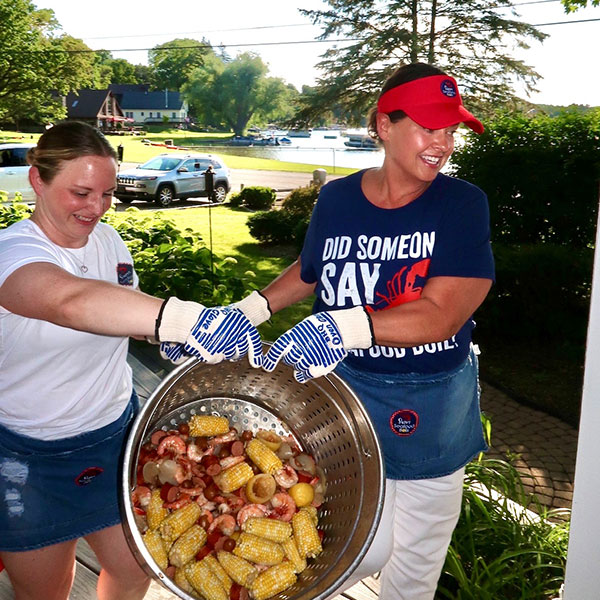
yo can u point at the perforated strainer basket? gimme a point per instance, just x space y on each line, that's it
325 418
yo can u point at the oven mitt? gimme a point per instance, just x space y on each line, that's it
316 345
210 334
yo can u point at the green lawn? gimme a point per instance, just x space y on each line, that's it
137 151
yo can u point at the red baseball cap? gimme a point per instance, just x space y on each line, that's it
432 102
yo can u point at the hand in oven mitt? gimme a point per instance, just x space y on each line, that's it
316 345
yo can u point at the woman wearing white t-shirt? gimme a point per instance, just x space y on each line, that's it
68 303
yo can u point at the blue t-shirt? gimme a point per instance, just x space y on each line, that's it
360 254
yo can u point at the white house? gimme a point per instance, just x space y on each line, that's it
146 107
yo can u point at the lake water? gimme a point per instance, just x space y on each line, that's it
323 147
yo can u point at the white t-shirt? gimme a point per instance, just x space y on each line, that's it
56 382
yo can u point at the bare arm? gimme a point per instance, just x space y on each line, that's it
444 306
288 288
45 291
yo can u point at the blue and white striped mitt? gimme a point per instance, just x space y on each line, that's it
316 345
210 334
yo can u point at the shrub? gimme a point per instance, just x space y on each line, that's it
273 227
540 174
171 262
542 292
301 201
12 212
254 197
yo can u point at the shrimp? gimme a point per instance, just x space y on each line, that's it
141 496
230 504
178 503
173 444
229 461
284 506
192 491
286 477
222 439
196 454
224 523
251 510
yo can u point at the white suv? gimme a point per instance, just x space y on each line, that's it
14 171
169 176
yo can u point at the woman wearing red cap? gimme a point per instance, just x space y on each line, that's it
399 259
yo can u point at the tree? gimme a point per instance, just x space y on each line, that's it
469 39
573 5
231 93
172 63
35 61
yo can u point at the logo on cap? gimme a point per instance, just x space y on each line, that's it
448 88
404 422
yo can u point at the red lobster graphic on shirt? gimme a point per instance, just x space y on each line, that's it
405 286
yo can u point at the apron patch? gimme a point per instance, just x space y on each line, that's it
88 475
404 422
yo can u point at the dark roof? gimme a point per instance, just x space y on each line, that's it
119 88
85 104
164 100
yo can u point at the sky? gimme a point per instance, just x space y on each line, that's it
567 59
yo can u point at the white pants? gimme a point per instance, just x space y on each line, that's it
411 554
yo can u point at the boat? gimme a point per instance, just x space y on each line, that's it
285 141
361 142
304 133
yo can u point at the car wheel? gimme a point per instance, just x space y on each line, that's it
220 192
164 195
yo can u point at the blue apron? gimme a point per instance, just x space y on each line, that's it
429 425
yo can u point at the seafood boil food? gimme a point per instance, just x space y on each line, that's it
225 514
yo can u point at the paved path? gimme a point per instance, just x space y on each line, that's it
544 446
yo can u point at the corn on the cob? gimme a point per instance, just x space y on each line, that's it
291 553
234 478
239 569
181 581
271 529
155 513
179 521
187 545
263 457
156 547
208 425
215 566
306 534
258 550
205 581
272 581
312 511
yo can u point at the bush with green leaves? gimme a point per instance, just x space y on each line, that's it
499 550
542 292
541 176
254 197
171 262
11 212
289 224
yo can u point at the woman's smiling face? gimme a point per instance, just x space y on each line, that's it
69 207
418 152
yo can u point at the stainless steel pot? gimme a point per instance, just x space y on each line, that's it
326 419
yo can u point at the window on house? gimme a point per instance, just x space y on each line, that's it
173 116
142 113
150 115
157 114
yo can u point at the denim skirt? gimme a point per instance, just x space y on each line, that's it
57 490
428 425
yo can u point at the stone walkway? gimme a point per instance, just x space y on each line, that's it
545 446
